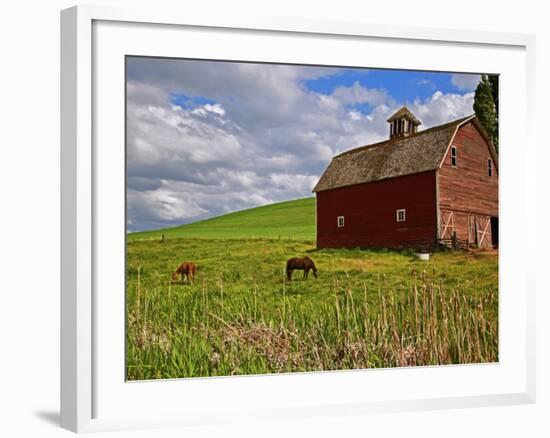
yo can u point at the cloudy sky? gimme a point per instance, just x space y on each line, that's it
206 138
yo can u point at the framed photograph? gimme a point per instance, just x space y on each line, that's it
291 218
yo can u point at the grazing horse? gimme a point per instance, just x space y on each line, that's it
297 263
187 268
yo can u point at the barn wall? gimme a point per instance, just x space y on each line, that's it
467 191
468 187
369 212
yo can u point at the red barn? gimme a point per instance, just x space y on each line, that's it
418 189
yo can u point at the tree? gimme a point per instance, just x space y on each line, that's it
493 79
486 108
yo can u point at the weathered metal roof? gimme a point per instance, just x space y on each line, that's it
419 152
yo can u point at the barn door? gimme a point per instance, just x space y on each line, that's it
483 225
479 230
446 224
472 234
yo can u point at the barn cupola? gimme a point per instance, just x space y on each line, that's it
403 123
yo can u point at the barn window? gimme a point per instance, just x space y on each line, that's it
340 221
453 156
401 215
490 167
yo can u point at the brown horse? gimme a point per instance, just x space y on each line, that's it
303 263
187 268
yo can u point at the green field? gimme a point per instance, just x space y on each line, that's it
290 219
241 316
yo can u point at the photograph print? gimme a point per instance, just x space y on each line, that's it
296 218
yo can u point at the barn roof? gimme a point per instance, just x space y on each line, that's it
419 152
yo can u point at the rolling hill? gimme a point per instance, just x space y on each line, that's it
290 219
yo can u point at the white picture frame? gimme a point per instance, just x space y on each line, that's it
88 376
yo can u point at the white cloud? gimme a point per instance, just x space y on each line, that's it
164 204
292 183
208 108
359 94
442 108
465 81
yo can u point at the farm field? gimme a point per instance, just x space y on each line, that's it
290 219
241 316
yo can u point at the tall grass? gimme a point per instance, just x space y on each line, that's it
265 326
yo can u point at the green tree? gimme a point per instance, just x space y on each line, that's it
486 108
493 79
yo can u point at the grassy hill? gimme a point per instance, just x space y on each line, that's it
289 219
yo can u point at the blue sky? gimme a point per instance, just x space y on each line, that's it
208 137
189 102
401 84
